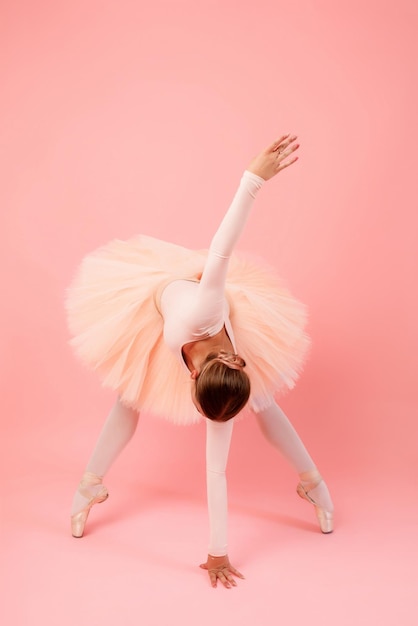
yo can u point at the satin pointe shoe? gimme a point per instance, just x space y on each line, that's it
325 518
87 489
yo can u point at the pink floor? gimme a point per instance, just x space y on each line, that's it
138 562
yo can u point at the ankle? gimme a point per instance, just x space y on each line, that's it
89 486
311 477
89 479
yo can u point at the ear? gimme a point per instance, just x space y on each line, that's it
194 374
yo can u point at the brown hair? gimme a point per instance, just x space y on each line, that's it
222 390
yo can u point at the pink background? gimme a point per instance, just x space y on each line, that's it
125 117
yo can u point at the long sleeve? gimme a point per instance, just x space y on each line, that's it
194 311
218 439
212 283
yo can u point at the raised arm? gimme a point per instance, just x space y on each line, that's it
263 167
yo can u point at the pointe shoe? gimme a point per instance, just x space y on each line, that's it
78 520
325 518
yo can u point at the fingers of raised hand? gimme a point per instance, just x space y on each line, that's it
282 166
276 144
284 151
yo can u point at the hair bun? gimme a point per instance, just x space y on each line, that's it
230 359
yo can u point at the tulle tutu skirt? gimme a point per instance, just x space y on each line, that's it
117 330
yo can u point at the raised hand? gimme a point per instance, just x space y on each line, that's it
219 568
274 159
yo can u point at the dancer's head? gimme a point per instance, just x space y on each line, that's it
221 388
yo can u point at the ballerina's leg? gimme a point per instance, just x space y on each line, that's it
279 431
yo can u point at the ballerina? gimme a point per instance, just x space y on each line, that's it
192 335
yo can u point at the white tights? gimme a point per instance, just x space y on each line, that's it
117 431
122 422
278 430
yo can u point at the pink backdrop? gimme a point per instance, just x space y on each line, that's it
128 117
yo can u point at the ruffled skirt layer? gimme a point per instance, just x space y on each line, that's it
117 330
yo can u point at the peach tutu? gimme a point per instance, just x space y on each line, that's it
117 330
